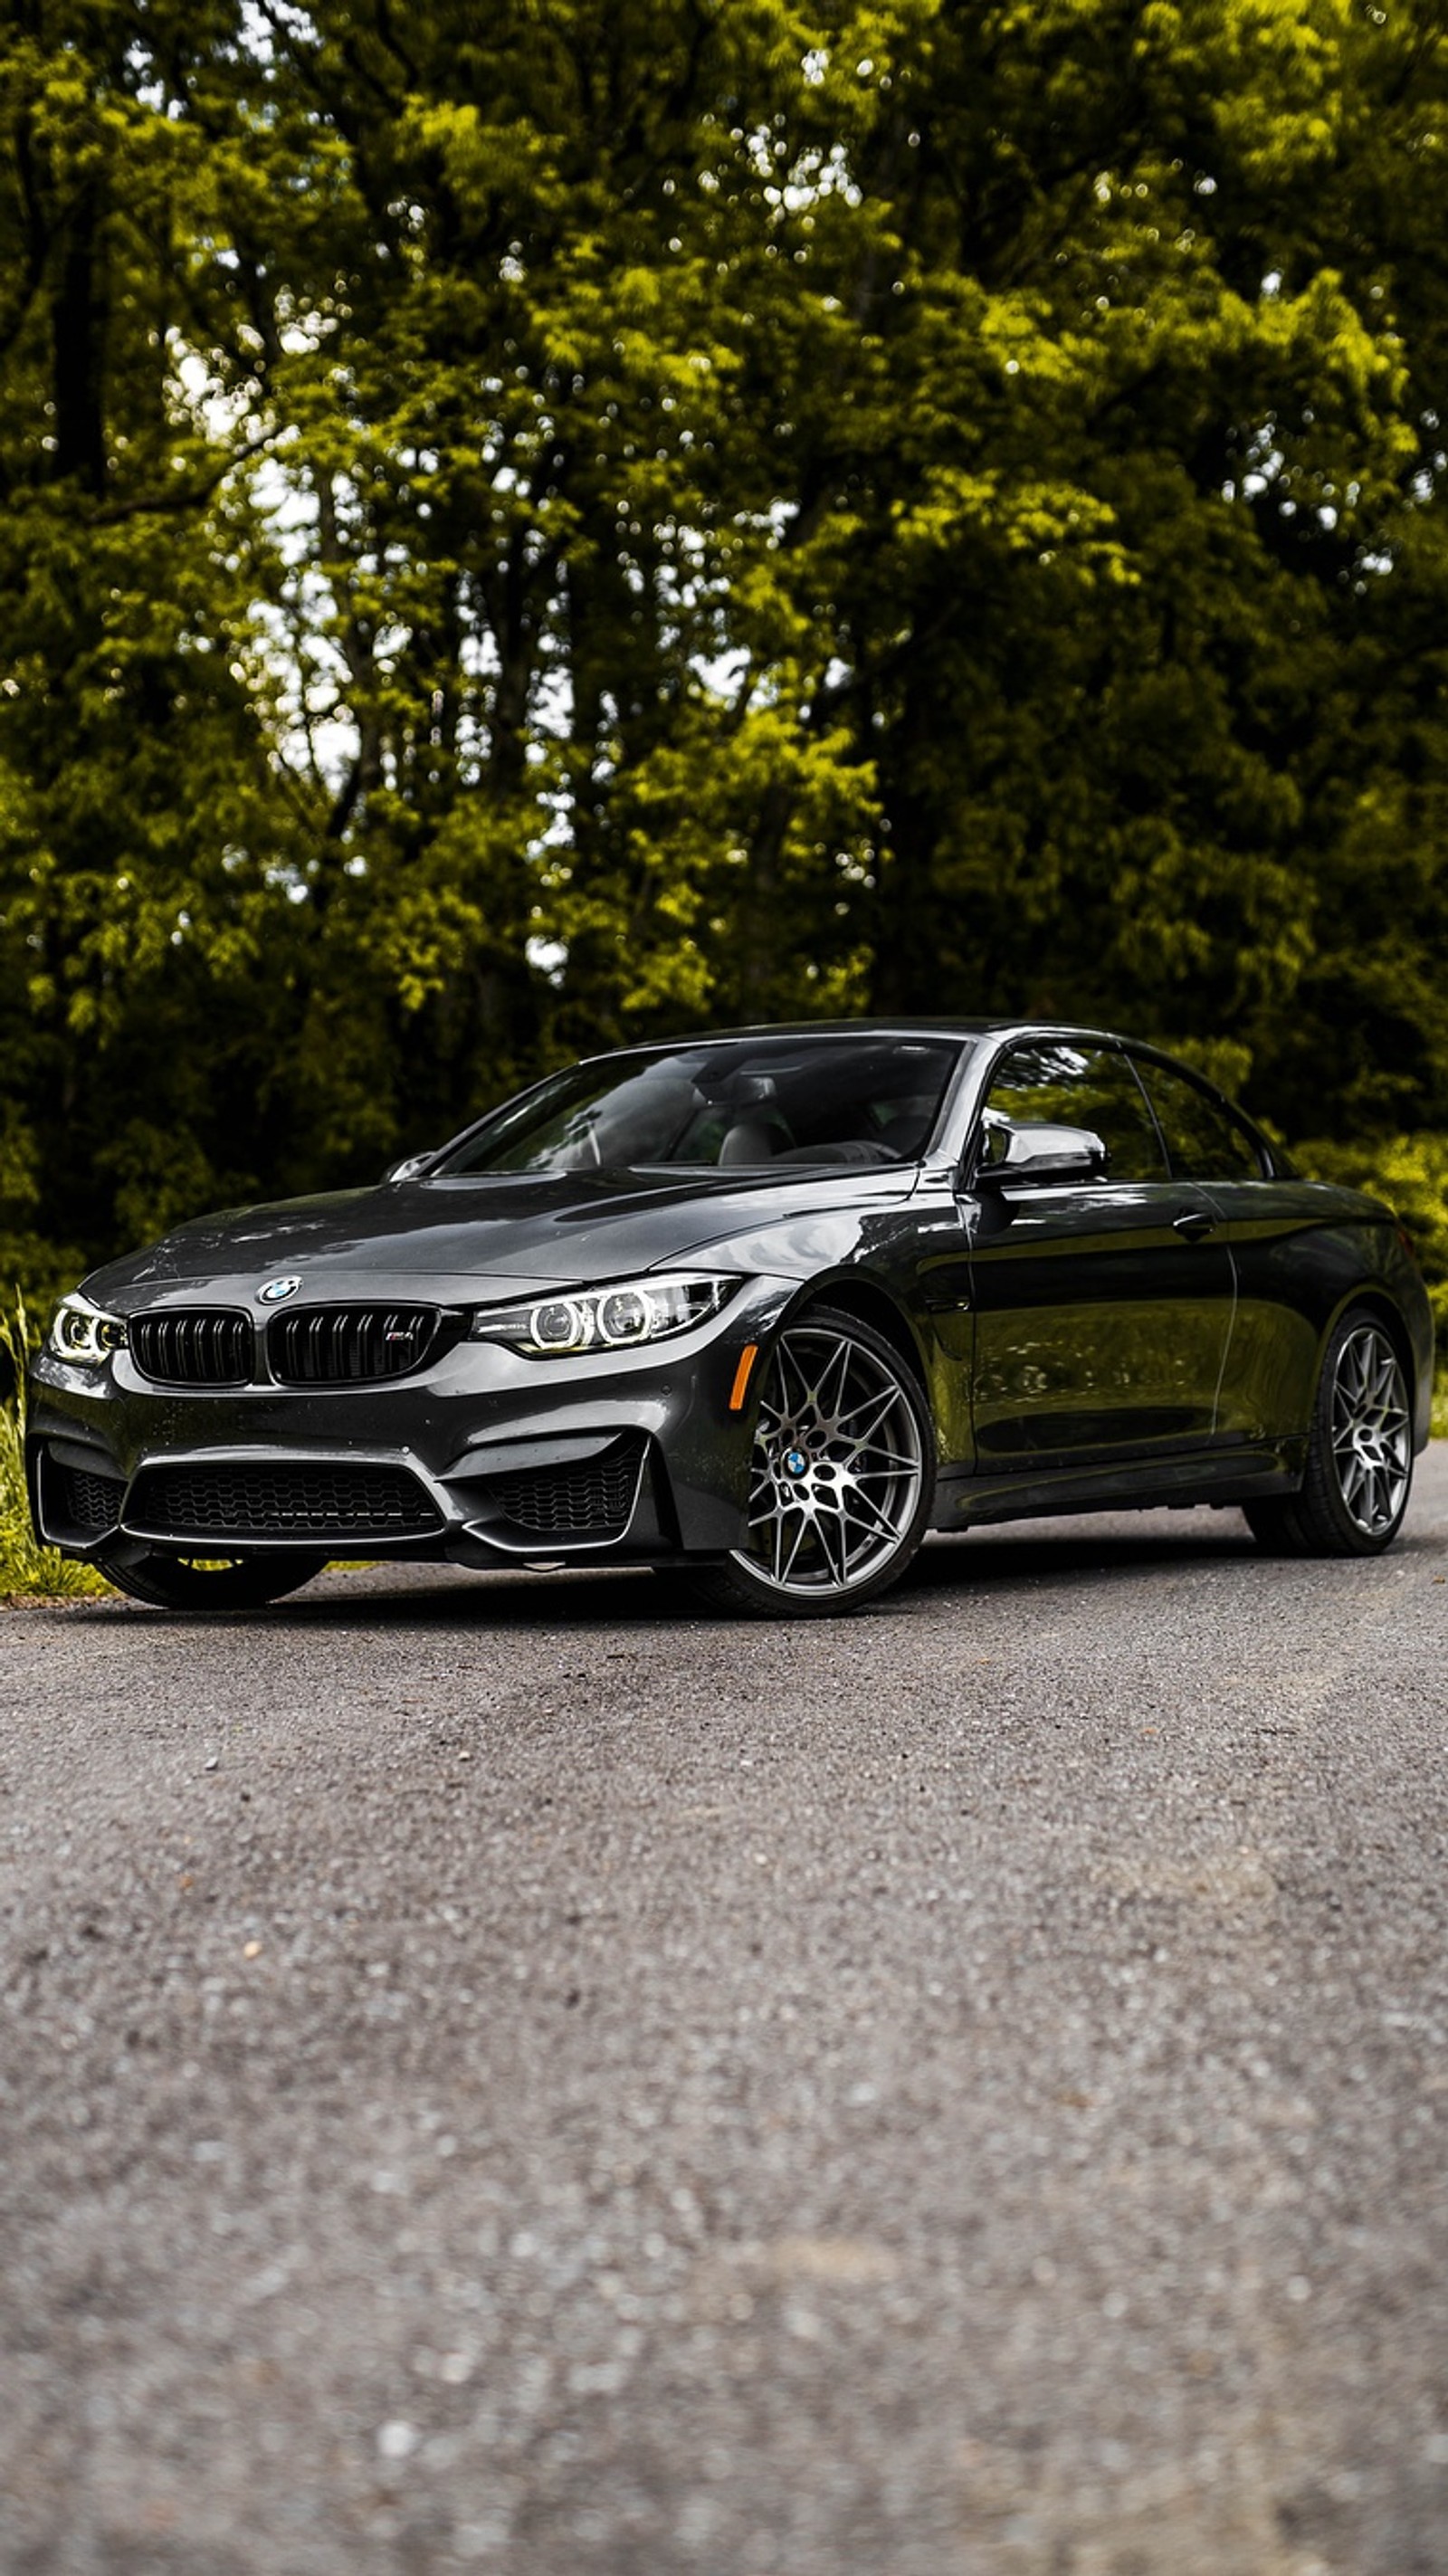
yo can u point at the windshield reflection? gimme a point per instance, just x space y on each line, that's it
742 1103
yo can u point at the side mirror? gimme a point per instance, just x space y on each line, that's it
1039 1157
408 1169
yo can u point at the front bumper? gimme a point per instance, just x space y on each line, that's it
485 1457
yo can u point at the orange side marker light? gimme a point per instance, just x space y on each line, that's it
740 1388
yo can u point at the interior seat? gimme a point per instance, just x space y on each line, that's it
750 1140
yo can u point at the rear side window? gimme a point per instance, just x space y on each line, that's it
1204 1140
1056 1084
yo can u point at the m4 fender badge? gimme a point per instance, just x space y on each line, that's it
275 1290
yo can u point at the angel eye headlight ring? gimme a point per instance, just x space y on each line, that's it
84 1333
625 1315
621 1316
561 1324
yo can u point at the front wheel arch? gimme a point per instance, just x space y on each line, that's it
849 1294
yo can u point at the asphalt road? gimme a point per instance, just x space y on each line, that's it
511 2074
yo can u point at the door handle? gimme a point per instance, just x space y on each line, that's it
1193 1223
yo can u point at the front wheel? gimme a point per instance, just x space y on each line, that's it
170 1582
841 1478
1359 1458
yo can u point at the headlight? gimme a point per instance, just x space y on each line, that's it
80 1331
604 1319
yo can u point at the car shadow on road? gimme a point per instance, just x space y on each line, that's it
993 1561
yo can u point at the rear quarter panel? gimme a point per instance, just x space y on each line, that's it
1304 1251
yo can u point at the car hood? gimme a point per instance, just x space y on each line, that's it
467 1237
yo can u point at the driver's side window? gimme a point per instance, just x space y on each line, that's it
1053 1083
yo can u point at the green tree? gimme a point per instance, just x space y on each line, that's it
144 845
534 526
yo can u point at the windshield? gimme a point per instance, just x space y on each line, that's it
750 1102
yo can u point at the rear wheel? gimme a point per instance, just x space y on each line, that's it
1360 1456
209 1583
841 1477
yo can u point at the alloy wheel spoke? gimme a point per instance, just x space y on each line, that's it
788 1365
1371 1432
857 1506
877 1404
800 1536
831 1525
836 1368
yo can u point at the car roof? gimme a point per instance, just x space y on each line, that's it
903 1027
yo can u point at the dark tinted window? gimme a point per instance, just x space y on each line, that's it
1056 1084
745 1101
1204 1140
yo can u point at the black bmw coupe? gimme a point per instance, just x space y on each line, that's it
767 1306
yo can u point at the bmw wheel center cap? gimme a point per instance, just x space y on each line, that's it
275 1290
795 1462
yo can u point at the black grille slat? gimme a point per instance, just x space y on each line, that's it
293 1499
194 1346
318 1346
355 1345
591 1500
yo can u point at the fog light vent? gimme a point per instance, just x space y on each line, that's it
593 1499
80 1504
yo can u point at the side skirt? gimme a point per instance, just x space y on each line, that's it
1241 1475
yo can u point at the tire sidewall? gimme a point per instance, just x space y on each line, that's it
167 1582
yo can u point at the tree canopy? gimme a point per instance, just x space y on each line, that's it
531 526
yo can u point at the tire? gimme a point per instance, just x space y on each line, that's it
842 1475
1359 1456
182 1583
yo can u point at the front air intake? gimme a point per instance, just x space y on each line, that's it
591 1500
79 1504
318 1501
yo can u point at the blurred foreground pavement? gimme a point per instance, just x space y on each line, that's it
511 2074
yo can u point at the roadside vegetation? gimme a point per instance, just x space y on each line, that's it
27 1570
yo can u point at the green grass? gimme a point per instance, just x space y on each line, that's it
28 1571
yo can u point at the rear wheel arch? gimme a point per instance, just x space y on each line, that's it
1358 1471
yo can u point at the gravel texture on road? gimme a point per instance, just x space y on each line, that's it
511 2073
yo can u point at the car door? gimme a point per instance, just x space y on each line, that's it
1103 1308
1271 1370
